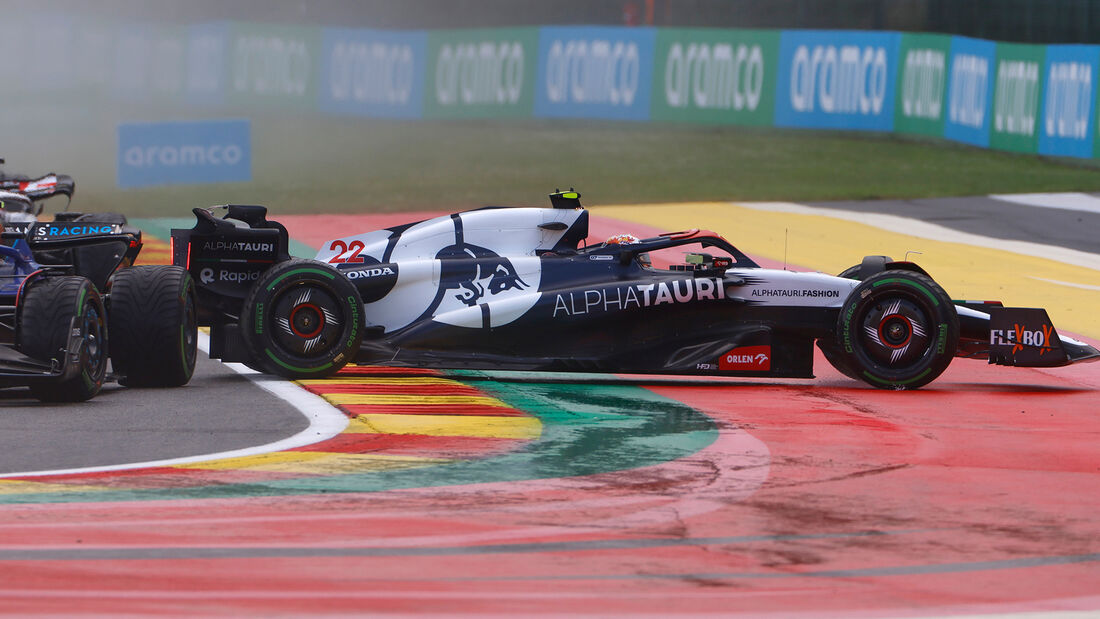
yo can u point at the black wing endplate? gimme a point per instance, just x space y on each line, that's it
1025 337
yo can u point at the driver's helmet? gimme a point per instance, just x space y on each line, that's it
621 239
16 208
628 239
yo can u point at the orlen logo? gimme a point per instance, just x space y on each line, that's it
1020 336
747 359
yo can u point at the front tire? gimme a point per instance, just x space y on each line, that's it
302 319
153 324
897 330
64 317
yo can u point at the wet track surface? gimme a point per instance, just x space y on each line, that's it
486 494
1074 226
218 411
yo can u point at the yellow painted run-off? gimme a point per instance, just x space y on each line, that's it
16 486
398 399
448 425
831 244
309 462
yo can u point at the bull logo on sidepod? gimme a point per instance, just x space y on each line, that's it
470 272
477 279
478 287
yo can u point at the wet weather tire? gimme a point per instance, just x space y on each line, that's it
897 330
302 319
153 326
64 317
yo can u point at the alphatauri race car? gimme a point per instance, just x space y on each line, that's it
68 283
521 289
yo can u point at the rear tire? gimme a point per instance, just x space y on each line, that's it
154 329
48 332
302 319
897 330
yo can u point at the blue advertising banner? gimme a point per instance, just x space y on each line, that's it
170 153
970 91
373 72
595 72
207 58
837 79
1066 122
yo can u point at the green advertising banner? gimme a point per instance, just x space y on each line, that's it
1017 97
484 73
273 64
715 76
922 84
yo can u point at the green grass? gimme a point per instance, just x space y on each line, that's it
360 165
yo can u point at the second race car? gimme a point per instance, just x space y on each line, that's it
71 300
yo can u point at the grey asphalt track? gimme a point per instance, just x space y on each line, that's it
994 218
219 410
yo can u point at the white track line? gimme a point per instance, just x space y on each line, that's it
1070 284
325 422
935 232
1066 201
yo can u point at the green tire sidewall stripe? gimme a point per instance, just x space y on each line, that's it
897 382
80 300
312 270
292 368
906 282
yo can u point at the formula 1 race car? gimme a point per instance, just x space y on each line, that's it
54 323
519 288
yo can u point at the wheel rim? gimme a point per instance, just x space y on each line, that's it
308 320
92 332
190 330
896 332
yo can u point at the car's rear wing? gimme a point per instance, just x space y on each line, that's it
225 255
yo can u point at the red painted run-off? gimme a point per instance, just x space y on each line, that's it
975 495
978 494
